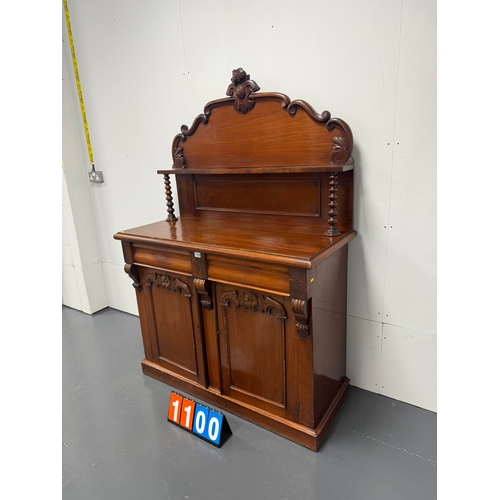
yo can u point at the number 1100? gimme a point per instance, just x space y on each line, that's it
196 418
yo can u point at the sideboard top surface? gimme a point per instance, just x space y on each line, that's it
274 244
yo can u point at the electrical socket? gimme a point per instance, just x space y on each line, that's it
96 176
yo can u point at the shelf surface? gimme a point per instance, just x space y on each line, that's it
260 170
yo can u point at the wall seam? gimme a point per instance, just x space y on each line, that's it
392 162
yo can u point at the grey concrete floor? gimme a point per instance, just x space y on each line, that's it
118 444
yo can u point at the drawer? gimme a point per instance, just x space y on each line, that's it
267 277
170 260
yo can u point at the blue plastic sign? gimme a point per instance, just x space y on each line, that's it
200 424
215 425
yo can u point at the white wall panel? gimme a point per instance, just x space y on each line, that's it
222 35
417 85
70 291
364 346
66 256
71 294
411 279
122 295
77 205
408 366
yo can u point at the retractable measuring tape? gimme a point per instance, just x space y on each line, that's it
79 88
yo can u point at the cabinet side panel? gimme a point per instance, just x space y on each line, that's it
329 320
185 194
345 201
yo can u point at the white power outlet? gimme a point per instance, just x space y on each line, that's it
96 176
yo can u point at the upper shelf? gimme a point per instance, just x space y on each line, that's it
296 169
251 132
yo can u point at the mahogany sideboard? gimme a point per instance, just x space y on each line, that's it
242 293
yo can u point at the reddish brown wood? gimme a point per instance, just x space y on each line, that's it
170 204
203 288
332 211
252 330
242 299
266 131
234 237
329 307
300 310
133 272
295 199
240 89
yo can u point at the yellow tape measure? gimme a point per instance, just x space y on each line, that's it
78 85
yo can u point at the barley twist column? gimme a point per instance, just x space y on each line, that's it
332 205
170 204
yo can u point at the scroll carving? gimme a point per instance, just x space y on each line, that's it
301 313
203 288
133 271
320 118
177 149
253 302
342 144
241 88
168 283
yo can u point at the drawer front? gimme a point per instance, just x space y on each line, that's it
261 276
170 260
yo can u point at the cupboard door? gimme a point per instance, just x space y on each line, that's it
174 324
253 337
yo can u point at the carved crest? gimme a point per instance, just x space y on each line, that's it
240 88
243 93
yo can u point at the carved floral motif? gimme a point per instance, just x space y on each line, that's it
240 88
168 283
253 302
342 144
178 155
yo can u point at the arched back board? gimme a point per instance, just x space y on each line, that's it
262 154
